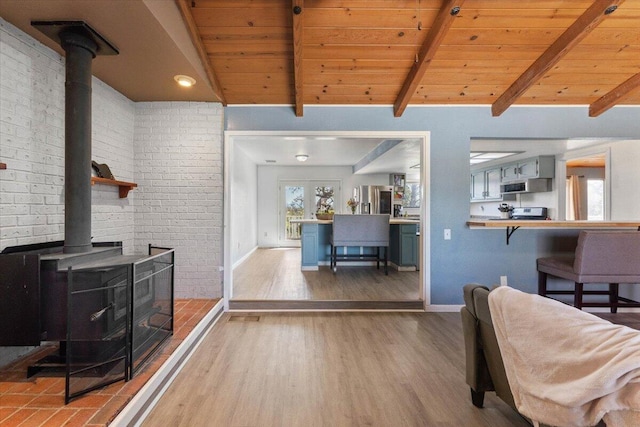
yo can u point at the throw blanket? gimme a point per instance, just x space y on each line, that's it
566 367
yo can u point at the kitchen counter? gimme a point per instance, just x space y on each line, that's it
513 224
330 221
403 248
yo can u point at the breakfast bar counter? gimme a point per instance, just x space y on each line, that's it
513 224
316 248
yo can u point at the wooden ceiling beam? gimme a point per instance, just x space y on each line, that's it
438 30
187 16
589 20
298 31
613 97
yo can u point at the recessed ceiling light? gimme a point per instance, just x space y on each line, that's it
184 81
302 157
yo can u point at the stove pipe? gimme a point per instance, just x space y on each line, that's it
81 44
80 51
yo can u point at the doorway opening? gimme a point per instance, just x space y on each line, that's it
256 227
586 189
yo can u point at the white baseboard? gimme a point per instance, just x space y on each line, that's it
608 310
437 308
143 402
244 258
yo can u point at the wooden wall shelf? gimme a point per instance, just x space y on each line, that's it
123 186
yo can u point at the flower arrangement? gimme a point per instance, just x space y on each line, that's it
324 212
352 204
505 210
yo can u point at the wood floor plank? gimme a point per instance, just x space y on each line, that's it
329 369
275 274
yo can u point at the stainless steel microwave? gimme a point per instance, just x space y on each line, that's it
528 186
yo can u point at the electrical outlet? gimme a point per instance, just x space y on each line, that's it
447 234
503 281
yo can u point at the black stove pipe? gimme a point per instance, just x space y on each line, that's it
80 51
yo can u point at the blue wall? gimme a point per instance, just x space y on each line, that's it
472 255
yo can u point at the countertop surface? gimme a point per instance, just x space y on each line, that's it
330 221
493 223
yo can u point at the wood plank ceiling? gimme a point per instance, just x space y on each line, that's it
411 52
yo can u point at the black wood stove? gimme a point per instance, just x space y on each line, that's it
109 312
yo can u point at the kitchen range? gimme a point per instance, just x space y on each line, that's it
523 213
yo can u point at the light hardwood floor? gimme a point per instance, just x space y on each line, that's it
275 274
329 369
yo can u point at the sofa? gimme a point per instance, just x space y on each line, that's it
485 368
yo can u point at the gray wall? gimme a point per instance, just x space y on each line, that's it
472 255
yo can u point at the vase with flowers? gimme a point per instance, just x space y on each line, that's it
352 204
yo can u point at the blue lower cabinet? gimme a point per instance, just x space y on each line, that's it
404 245
309 244
316 246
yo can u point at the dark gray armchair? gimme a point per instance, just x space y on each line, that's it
484 365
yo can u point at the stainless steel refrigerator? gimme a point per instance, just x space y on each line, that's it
376 199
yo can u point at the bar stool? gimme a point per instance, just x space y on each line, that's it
611 257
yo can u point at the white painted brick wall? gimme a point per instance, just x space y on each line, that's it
182 211
31 140
112 128
32 145
178 169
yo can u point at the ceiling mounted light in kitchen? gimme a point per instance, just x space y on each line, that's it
476 157
301 157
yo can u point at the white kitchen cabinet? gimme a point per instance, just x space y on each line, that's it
485 185
535 167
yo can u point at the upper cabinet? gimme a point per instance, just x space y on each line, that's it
535 167
485 185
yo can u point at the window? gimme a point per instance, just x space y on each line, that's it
595 199
302 199
294 200
411 197
324 198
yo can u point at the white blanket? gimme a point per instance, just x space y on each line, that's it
566 367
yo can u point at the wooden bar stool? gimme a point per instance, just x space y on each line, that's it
611 257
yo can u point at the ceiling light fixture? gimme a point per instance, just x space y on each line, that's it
301 157
184 81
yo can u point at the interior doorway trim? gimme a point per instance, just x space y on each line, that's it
561 170
425 208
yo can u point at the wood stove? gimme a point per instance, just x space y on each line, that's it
110 312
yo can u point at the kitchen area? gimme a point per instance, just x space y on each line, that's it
379 173
570 185
404 234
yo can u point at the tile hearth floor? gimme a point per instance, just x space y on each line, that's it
39 401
